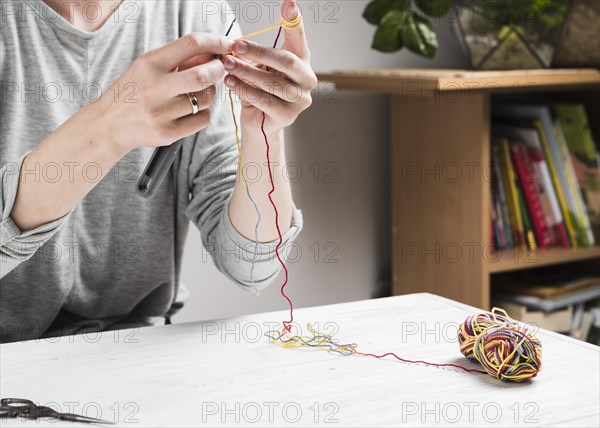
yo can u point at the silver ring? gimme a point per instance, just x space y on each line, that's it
194 102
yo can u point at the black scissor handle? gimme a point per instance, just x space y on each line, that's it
20 407
15 407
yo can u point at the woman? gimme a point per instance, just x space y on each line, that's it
89 89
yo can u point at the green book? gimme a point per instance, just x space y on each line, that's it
528 230
583 153
576 127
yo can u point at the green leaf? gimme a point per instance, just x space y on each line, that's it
388 37
419 36
377 9
436 8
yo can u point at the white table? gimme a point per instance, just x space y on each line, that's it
190 375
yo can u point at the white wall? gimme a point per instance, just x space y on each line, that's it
351 216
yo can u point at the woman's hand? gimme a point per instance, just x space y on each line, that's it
149 106
277 82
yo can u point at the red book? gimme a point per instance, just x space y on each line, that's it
561 232
525 169
558 230
537 160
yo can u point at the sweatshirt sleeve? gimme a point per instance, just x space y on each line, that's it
212 176
17 246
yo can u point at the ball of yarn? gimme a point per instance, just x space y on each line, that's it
505 349
509 352
472 328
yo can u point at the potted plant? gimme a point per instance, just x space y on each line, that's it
404 24
497 34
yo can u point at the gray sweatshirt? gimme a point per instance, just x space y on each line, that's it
114 261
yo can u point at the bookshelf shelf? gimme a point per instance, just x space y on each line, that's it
526 259
440 130
409 81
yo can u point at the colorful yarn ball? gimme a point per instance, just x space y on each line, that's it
472 328
505 349
509 352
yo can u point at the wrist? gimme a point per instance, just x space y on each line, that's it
253 135
105 130
251 121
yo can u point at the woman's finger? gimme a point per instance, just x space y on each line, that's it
279 59
196 78
272 106
181 50
295 38
262 79
195 61
182 106
189 125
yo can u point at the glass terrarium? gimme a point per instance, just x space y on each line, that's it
511 34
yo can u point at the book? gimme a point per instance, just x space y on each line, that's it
531 194
574 200
552 182
558 321
527 229
548 286
497 236
542 114
512 198
583 330
499 196
577 130
585 159
549 305
578 313
530 133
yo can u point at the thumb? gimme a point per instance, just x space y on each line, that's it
295 39
289 10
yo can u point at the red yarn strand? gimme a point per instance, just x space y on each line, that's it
404 360
286 324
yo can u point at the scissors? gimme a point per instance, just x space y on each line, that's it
19 407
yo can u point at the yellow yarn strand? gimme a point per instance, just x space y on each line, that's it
503 347
483 337
316 339
289 25
237 139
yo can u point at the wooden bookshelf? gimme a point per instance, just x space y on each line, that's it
405 81
526 259
441 125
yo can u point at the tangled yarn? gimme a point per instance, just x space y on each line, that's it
326 342
474 325
315 340
505 349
